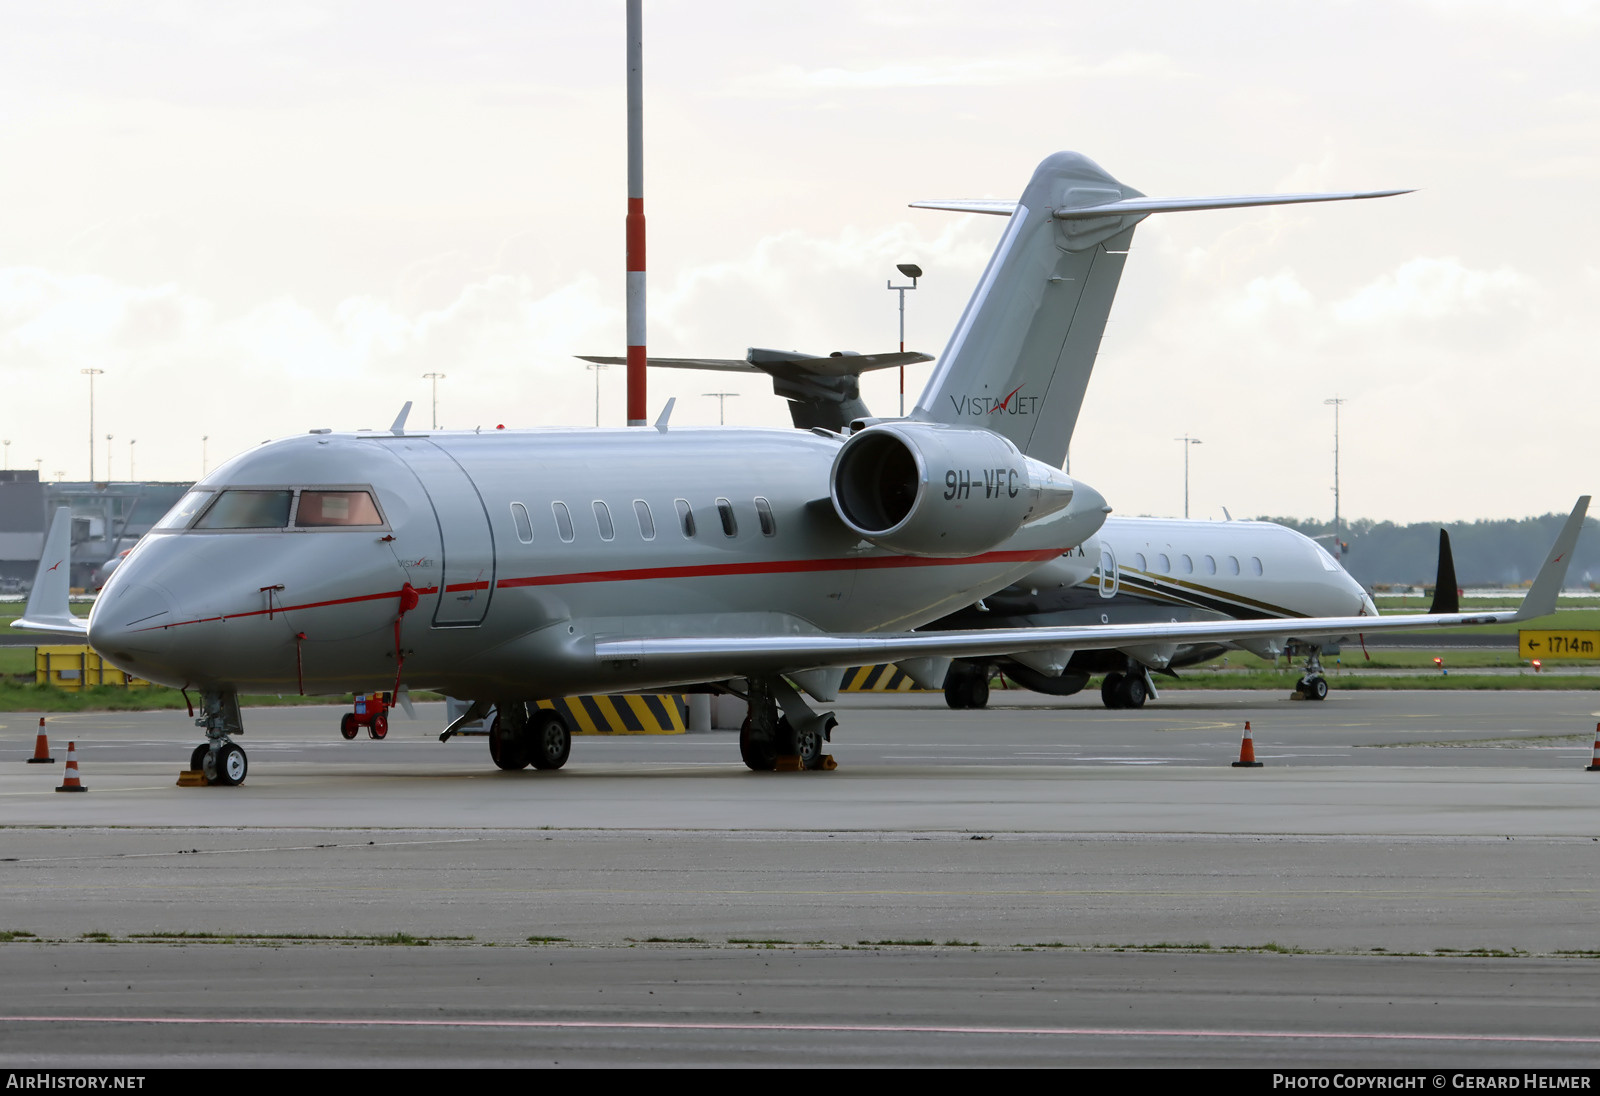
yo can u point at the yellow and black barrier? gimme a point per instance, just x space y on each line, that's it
883 678
78 667
623 713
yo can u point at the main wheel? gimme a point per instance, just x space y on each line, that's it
551 739
231 766
955 687
379 727
814 745
1111 691
758 752
347 725
507 746
1315 688
197 760
978 689
1131 691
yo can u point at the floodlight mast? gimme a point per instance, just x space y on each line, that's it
912 271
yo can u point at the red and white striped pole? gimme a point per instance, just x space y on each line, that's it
635 293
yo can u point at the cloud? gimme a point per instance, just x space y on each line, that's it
959 72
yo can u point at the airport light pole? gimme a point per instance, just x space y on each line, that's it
131 443
8 454
91 374
203 439
435 378
597 366
1187 441
722 405
109 455
912 271
1336 402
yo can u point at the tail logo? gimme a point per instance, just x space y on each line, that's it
1013 404
54 565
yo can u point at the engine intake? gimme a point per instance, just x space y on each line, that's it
927 489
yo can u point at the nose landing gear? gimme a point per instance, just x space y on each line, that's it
222 760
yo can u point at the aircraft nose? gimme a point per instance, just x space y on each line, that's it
127 627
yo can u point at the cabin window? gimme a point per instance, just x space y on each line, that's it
1255 565
1188 564
685 517
524 524
248 510
187 507
769 524
730 525
1144 564
602 518
1163 564
563 520
1210 564
1233 565
647 523
324 509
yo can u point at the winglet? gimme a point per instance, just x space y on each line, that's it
1541 599
399 427
1446 594
47 609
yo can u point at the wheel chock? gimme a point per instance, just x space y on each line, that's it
69 778
41 748
1247 751
193 778
788 763
827 764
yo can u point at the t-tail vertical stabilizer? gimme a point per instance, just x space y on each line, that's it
1020 358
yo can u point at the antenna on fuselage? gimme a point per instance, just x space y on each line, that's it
399 427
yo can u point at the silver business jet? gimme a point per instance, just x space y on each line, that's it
511 566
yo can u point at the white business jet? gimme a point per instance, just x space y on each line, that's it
511 566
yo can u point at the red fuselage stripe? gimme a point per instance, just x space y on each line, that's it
638 574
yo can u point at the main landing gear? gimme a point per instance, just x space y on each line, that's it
221 759
520 735
793 738
1126 690
1312 685
966 685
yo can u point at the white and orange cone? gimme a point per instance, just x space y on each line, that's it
41 748
69 778
1594 762
1247 751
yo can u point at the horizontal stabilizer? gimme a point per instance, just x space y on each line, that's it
48 609
971 205
783 362
1145 206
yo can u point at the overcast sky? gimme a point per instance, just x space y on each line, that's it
259 219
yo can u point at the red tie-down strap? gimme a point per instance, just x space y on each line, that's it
409 599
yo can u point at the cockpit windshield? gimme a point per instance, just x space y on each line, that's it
267 508
248 510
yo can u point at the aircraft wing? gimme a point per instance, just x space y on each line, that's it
48 609
765 654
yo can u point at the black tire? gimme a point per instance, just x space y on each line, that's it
814 744
197 760
1315 688
232 766
507 749
550 739
978 689
1131 691
1111 691
347 726
955 687
758 754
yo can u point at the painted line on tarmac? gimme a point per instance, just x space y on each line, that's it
891 1029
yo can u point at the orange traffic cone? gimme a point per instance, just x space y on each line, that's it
69 778
1594 763
41 748
1247 751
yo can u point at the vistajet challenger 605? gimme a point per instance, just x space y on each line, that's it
512 566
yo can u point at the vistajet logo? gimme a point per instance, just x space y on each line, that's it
1014 403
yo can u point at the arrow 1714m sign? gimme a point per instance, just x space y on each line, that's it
1554 644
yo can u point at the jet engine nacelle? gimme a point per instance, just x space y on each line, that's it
928 489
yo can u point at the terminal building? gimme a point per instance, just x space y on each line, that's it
107 518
